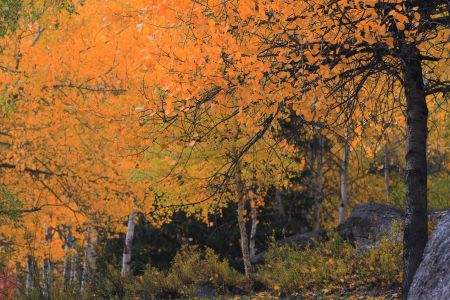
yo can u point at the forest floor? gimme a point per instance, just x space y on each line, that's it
363 292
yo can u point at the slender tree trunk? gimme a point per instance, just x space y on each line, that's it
318 182
279 202
89 262
67 268
416 231
244 239
241 223
387 183
344 179
48 279
76 273
254 217
30 278
74 268
127 249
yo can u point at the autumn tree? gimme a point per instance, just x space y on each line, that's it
278 52
63 137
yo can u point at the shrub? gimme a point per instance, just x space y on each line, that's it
333 265
290 269
191 268
384 262
161 284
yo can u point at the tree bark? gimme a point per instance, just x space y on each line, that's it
241 222
244 239
280 204
67 269
416 231
30 278
387 183
76 274
254 217
127 249
343 180
89 262
318 182
48 279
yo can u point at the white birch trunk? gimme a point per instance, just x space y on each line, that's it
29 279
127 250
244 239
67 265
76 272
89 262
48 279
254 216
67 269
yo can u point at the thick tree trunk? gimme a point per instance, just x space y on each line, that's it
48 279
254 217
318 182
415 233
387 183
343 180
127 249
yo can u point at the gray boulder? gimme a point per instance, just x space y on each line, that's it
368 222
432 278
206 291
300 240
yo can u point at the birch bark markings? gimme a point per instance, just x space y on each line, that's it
47 278
67 269
128 246
244 239
89 266
252 244
30 276
239 186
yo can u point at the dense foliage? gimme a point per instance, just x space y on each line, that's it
140 140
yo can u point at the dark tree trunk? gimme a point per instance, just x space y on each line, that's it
318 182
279 203
343 179
416 234
387 183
